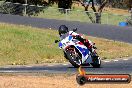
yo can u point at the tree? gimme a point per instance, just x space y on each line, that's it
31 2
129 4
19 9
98 11
64 4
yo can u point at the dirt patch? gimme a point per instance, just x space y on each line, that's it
116 11
51 82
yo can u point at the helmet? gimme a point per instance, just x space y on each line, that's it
63 29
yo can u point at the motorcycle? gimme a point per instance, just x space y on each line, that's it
77 53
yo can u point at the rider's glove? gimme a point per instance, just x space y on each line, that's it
77 37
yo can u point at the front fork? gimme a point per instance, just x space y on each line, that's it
74 54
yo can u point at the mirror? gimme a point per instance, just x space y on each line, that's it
74 29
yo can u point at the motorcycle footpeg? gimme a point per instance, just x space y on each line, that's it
94 47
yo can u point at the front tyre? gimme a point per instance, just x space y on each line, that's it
71 58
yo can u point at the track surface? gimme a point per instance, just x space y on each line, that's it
122 66
105 31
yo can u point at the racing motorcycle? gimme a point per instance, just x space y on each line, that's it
77 53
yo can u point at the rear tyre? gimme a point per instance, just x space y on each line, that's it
96 62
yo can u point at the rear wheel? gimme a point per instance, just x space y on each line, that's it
96 62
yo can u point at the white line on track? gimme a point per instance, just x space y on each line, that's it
9 71
65 64
116 60
125 59
29 66
106 61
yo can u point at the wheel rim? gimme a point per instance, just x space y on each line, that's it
76 59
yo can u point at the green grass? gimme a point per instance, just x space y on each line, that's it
20 45
26 45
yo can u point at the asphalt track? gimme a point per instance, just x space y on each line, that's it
105 31
121 66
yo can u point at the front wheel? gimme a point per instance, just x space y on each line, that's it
96 62
74 60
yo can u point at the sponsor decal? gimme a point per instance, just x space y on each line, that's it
83 78
83 50
69 38
60 44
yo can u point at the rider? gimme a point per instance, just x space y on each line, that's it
63 32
